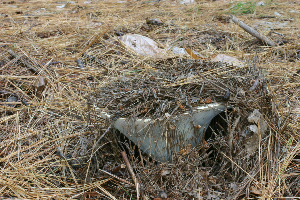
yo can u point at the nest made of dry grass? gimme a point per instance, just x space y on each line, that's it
50 129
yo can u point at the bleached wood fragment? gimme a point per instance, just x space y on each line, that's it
253 32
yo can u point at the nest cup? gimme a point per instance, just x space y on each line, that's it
161 137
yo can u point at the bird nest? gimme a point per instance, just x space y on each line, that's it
173 86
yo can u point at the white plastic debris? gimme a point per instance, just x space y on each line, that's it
257 118
179 51
142 45
251 144
277 14
253 128
260 3
254 116
162 137
186 2
227 59
62 6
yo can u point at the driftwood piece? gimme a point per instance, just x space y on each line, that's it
253 32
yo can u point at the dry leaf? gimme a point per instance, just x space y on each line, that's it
254 190
190 52
40 85
207 101
40 82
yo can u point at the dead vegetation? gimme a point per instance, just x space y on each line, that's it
63 63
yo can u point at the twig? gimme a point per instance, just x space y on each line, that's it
30 28
124 156
116 177
230 140
253 32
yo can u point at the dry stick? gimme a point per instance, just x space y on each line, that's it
253 32
116 177
124 156
235 123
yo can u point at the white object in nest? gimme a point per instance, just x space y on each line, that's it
162 137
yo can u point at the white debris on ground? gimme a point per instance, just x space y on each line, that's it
227 59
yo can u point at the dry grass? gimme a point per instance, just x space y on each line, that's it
53 142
